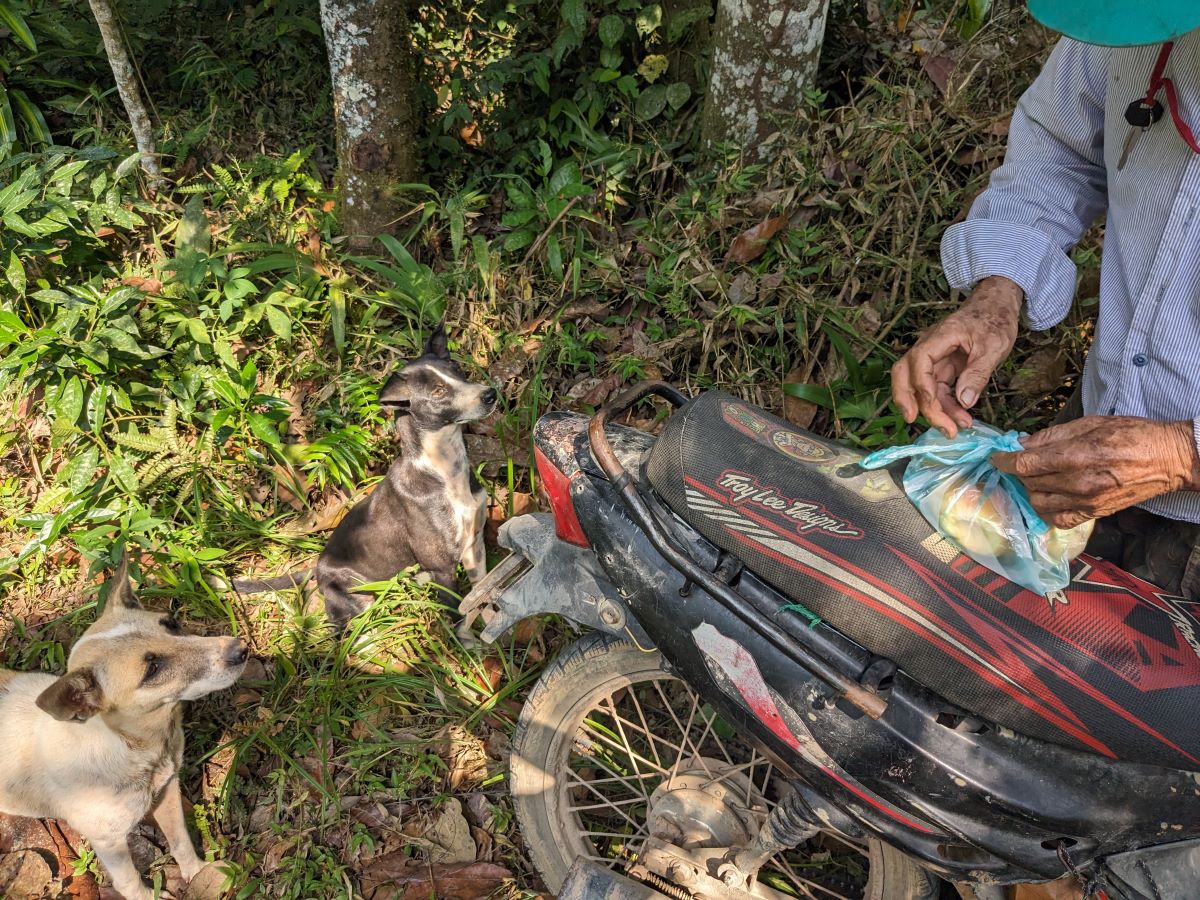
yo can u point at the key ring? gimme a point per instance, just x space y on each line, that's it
1146 111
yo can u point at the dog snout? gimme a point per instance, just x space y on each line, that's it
489 396
236 653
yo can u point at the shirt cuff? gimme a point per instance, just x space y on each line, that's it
978 248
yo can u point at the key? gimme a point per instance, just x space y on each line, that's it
1134 134
1140 115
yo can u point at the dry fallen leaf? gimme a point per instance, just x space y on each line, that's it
146 285
752 243
795 410
939 68
1040 374
393 877
450 835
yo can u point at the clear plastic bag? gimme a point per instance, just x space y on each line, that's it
986 513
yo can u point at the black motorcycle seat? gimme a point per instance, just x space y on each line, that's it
1110 666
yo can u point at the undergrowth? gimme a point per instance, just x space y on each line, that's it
194 373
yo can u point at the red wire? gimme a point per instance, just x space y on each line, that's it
1158 81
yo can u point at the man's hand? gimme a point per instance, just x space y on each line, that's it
944 373
1098 465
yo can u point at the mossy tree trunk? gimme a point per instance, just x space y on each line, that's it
372 65
764 56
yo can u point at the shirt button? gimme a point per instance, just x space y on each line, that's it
1140 360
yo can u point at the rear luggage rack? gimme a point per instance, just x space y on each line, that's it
845 686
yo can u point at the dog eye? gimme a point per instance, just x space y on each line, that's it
170 624
154 665
439 391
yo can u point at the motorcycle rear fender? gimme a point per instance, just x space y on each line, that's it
546 575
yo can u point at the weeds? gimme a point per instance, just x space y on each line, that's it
195 374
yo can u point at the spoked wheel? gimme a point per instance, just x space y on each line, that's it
611 748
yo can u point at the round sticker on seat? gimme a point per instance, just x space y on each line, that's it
799 447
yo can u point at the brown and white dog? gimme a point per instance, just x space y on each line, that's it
101 746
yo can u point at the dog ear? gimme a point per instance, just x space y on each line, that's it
120 590
75 697
396 394
437 345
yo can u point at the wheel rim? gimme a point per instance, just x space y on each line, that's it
628 743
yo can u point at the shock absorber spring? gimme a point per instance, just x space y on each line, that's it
660 884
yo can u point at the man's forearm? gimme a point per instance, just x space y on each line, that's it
1185 457
1001 291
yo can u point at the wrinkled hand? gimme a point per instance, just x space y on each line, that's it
944 373
1098 465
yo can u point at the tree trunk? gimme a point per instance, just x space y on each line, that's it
765 54
372 64
127 87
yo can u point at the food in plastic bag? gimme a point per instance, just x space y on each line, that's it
986 513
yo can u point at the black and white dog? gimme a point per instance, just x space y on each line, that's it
429 510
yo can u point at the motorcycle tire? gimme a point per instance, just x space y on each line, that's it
598 666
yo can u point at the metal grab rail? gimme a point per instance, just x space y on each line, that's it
869 703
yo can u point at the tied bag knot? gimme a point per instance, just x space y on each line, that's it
982 511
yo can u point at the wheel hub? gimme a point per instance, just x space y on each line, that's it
705 805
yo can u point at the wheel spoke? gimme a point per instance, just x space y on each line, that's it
633 757
653 734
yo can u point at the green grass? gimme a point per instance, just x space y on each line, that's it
194 375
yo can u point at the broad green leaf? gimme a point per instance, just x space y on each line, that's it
123 474
97 404
574 13
813 393
337 316
678 94
83 468
17 25
280 322
649 19
69 403
196 330
15 273
554 255
36 129
651 101
611 30
264 429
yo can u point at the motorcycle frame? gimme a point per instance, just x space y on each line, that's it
871 751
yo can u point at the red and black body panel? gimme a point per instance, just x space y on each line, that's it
974 800
1110 666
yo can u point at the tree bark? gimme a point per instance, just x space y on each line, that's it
372 65
765 54
127 87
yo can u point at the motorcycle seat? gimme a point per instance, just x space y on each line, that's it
1109 666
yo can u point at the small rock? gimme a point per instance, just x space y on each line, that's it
27 874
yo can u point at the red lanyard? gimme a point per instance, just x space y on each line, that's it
1158 81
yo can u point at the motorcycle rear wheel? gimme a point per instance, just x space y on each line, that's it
606 730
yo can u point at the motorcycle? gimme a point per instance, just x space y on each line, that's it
791 685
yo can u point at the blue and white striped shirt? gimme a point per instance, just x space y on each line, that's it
1059 175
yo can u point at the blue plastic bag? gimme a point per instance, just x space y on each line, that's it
984 512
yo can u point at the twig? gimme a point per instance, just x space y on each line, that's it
541 238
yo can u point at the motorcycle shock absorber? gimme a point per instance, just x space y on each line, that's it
788 825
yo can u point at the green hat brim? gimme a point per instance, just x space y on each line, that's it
1119 23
